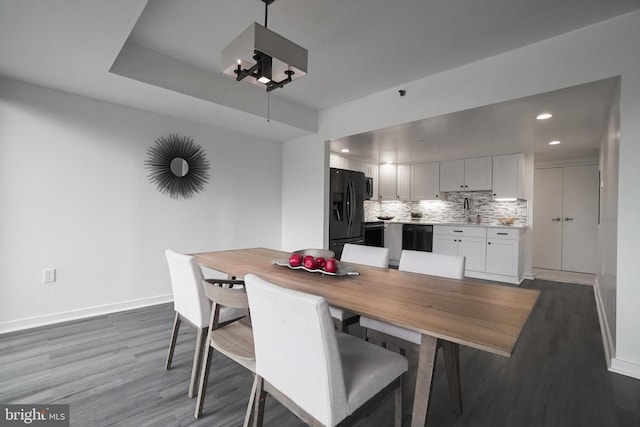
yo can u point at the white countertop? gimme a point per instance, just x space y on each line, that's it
424 221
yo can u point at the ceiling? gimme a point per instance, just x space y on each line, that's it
579 122
163 55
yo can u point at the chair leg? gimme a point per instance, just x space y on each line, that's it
255 408
172 342
398 414
451 352
201 337
204 379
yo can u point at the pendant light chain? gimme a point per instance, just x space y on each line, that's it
266 16
266 12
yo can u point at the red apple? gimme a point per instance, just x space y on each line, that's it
331 265
310 262
295 260
320 262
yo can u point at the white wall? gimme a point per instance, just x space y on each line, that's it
606 283
74 195
600 51
305 194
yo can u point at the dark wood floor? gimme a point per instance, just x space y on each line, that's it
110 369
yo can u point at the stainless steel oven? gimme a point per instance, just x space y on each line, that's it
374 233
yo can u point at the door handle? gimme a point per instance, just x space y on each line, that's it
556 219
566 218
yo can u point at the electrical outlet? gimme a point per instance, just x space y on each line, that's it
48 275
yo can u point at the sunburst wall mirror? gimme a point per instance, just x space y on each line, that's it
177 166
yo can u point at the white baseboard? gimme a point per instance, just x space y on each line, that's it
49 319
493 277
605 330
619 366
624 367
529 276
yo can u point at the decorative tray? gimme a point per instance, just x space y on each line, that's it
343 270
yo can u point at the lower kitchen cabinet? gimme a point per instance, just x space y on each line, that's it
504 249
467 241
490 253
393 241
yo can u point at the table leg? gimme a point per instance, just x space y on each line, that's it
452 363
424 376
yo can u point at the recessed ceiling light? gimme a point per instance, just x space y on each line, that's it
544 116
554 142
344 150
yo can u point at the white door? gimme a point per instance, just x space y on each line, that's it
580 218
566 218
547 219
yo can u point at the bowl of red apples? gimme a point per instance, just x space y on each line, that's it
314 260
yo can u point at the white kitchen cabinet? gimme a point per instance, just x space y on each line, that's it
467 241
504 249
388 182
452 175
394 182
466 175
425 181
338 162
403 190
342 162
393 241
508 176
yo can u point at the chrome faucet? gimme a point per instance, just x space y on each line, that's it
467 211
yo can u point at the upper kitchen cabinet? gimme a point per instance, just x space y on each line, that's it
466 175
340 162
394 182
508 177
425 181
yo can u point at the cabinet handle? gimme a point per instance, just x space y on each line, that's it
502 234
488 243
457 231
556 219
566 218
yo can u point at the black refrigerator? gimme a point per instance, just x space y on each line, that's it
346 224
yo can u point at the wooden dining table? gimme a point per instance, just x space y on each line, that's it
484 316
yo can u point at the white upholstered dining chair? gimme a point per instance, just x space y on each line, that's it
359 254
192 307
449 266
323 376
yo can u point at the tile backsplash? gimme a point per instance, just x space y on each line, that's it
451 210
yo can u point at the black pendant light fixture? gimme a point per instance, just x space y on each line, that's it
264 58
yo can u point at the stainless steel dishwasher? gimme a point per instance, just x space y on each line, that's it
418 237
